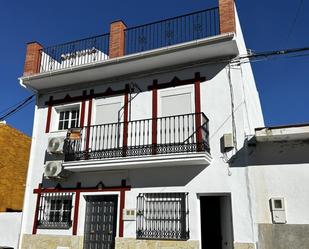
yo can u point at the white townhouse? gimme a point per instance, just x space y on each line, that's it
133 136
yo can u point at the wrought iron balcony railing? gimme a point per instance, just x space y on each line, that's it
164 135
150 36
75 53
172 31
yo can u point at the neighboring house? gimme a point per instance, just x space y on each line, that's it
134 133
277 162
14 155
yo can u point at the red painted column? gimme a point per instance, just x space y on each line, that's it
76 208
82 111
37 208
122 205
49 112
125 120
198 116
154 116
89 119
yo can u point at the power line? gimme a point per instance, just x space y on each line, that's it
17 107
242 59
13 106
262 56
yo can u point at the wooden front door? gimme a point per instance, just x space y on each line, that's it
100 222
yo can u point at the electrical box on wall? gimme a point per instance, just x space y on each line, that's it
228 142
278 212
129 214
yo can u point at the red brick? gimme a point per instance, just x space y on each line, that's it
117 39
227 16
33 58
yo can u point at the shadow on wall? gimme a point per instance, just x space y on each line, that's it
136 178
164 177
113 88
271 153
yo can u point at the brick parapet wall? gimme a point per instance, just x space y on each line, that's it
117 39
33 58
227 16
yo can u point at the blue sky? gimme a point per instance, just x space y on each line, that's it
282 83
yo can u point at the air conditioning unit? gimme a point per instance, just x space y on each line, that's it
55 145
54 169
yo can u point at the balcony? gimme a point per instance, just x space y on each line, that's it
187 39
119 145
138 39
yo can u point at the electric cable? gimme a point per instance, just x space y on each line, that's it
17 108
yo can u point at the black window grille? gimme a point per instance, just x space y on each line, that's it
162 216
55 210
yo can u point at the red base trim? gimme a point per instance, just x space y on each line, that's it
82 111
55 190
36 215
47 128
197 94
154 115
89 121
177 82
110 92
122 191
125 119
122 205
76 208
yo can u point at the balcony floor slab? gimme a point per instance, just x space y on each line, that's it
181 159
188 53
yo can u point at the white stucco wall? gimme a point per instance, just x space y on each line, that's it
280 170
216 178
216 98
10 224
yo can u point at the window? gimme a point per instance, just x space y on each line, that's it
68 119
55 210
162 216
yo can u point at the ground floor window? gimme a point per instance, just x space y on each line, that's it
162 216
55 210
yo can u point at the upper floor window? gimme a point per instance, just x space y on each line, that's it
68 118
55 210
162 216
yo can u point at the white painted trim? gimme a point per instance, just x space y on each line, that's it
82 210
282 133
191 159
185 45
55 114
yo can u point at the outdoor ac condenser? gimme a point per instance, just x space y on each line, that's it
55 145
54 169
